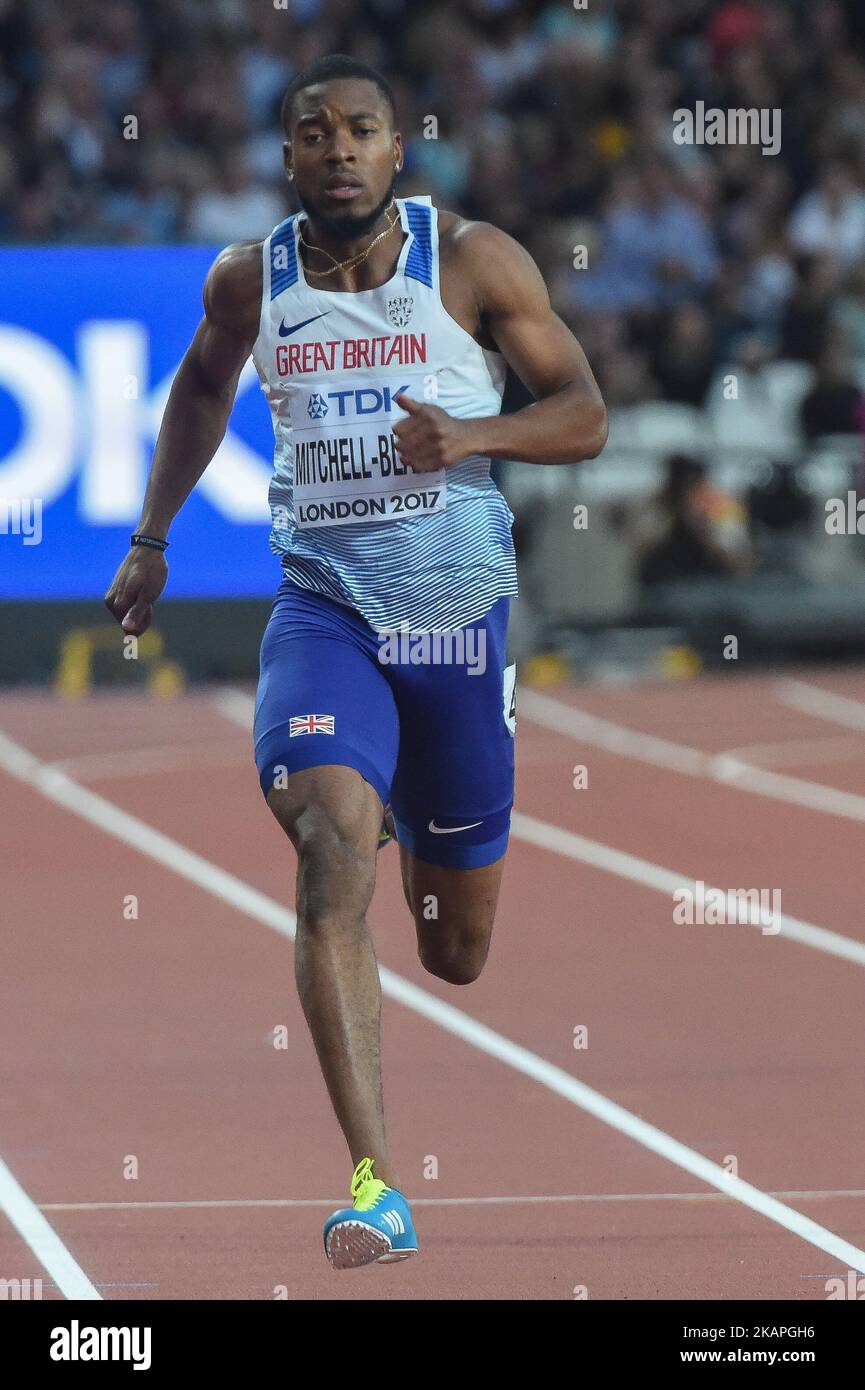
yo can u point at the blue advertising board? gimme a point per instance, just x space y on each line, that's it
90 339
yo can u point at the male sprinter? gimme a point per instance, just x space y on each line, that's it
380 328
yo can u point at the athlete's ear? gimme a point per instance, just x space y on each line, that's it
286 159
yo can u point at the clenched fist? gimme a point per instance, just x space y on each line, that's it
136 587
430 438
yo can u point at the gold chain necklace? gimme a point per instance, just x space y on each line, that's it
353 261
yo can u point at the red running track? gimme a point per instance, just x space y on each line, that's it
178 1154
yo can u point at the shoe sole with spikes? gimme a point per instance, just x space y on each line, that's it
351 1244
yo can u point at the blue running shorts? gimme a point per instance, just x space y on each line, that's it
427 718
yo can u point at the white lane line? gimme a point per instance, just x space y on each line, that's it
579 1197
794 790
822 704
143 762
143 838
58 787
44 1242
553 714
843 748
723 768
642 871
237 706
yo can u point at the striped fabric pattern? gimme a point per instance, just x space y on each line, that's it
283 257
432 572
419 263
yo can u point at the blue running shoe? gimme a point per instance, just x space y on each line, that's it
377 1229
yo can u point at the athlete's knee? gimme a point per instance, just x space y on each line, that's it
335 865
456 963
453 935
457 970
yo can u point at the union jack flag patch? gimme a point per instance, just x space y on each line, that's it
310 724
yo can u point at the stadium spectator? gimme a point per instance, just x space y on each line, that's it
684 360
692 529
830 220
656 247
778 503
835 402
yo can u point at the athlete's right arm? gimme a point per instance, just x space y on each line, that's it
195 419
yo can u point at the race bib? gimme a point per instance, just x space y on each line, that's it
510 697
347 473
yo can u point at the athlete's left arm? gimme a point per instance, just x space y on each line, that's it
568 420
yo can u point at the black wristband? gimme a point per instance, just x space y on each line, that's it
152 542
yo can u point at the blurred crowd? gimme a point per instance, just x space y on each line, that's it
553 121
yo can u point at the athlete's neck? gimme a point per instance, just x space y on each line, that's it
375 270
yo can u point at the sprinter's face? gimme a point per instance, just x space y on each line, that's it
343 154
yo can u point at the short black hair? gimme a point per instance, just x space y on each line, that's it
334 66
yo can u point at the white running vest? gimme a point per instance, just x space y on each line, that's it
426 550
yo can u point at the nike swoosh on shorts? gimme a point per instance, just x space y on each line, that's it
451 829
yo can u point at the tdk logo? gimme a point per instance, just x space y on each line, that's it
366 400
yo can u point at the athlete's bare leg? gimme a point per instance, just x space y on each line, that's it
333 817
453 911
